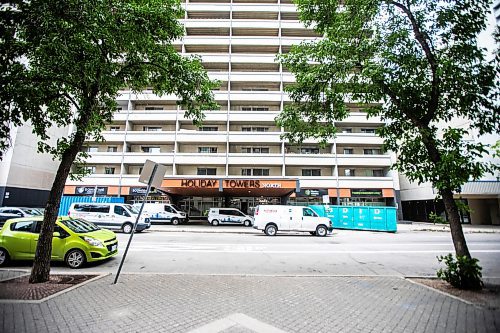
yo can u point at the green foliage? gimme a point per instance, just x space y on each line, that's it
434 218
462 272
421 60
65 61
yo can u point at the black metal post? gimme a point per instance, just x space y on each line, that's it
136 222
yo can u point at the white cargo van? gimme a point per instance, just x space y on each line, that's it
274 218
163 213
218 216
115 216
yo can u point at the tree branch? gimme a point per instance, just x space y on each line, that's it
422 40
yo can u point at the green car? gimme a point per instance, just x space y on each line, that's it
75 241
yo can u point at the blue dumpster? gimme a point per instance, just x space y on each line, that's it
66 201
377 218
361 218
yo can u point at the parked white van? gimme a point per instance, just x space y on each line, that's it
274 218
115 216
218 216
162 212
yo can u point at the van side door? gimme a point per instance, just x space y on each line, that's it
120 215
309 219
295 218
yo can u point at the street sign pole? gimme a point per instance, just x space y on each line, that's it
151 178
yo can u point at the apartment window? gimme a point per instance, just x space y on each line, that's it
349 172
255 150
378 173
206 171
311 172
309 150
255 172
207 150
109 170
209 128
151 150
112 149
246 172
114 128
372 151
347 130
153 108
90 169
348 151
368 130
255 129
91 149
254 108
151 128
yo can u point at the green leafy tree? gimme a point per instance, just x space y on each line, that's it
413 63
66 62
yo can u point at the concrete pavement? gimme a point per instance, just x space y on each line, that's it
238 303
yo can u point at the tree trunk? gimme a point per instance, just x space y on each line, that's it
457 233
41 266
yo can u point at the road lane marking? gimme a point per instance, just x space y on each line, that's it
300 251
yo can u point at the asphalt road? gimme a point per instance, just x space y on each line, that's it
342 253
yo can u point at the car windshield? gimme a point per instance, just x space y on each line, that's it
80 226
32 211
132 209
177 208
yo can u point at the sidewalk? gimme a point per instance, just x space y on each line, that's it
204 227
264 304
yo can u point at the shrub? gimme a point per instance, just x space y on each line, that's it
462 273
434 218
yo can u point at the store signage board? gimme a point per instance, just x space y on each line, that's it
366 193
90 190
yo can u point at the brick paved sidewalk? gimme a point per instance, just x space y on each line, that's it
184 303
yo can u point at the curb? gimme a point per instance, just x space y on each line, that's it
409 279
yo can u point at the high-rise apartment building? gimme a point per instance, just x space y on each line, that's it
238 158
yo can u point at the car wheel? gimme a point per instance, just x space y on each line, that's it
127 228
215 223
247 223
75 258
271 230
4 257
175 221
312 233
321 231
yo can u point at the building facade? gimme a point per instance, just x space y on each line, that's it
25 175
238 157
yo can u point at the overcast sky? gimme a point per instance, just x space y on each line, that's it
486 37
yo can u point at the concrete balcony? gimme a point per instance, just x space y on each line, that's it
150 137
263 96
148 115
256 76
309 159
360 118
364 160
353 138
199 136
253 116
253 58
210 116
289 41
198 159
254 137
140 158
203 40
257 40
111 137
346 182
104 158
255 159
